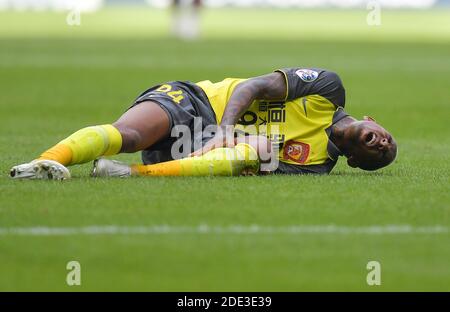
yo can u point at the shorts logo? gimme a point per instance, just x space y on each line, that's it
296 151
307 75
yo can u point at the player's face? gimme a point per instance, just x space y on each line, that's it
372 145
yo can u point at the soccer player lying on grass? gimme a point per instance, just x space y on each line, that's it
293 115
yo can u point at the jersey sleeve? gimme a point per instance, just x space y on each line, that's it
312 81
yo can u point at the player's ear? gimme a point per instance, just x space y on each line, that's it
368 118
352 162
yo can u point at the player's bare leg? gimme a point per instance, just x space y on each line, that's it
138 128
142 126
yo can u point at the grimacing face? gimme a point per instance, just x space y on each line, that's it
372 147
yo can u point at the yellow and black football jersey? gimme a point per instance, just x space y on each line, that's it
300 124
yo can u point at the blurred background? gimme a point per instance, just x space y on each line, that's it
68 64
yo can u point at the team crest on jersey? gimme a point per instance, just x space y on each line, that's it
296 151
307 75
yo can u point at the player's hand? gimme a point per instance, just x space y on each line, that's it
223 138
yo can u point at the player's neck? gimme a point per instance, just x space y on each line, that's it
338 131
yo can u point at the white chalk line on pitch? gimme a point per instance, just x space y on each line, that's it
213 229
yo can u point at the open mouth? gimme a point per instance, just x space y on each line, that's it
371 139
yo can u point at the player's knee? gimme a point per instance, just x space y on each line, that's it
261 145
131 138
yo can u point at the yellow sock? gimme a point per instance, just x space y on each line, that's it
85 145
218 162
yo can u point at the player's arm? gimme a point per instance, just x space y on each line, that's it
284 84
268 87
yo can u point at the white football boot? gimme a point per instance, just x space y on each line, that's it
40 169
110 168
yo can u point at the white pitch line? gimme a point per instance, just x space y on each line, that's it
213 229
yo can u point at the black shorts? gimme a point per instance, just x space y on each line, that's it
184 102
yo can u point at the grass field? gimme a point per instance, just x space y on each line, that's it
55 79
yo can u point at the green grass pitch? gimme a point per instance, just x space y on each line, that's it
55 79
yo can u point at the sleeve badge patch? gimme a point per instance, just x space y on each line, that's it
307 75
296 151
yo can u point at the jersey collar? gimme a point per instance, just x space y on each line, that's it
333 151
